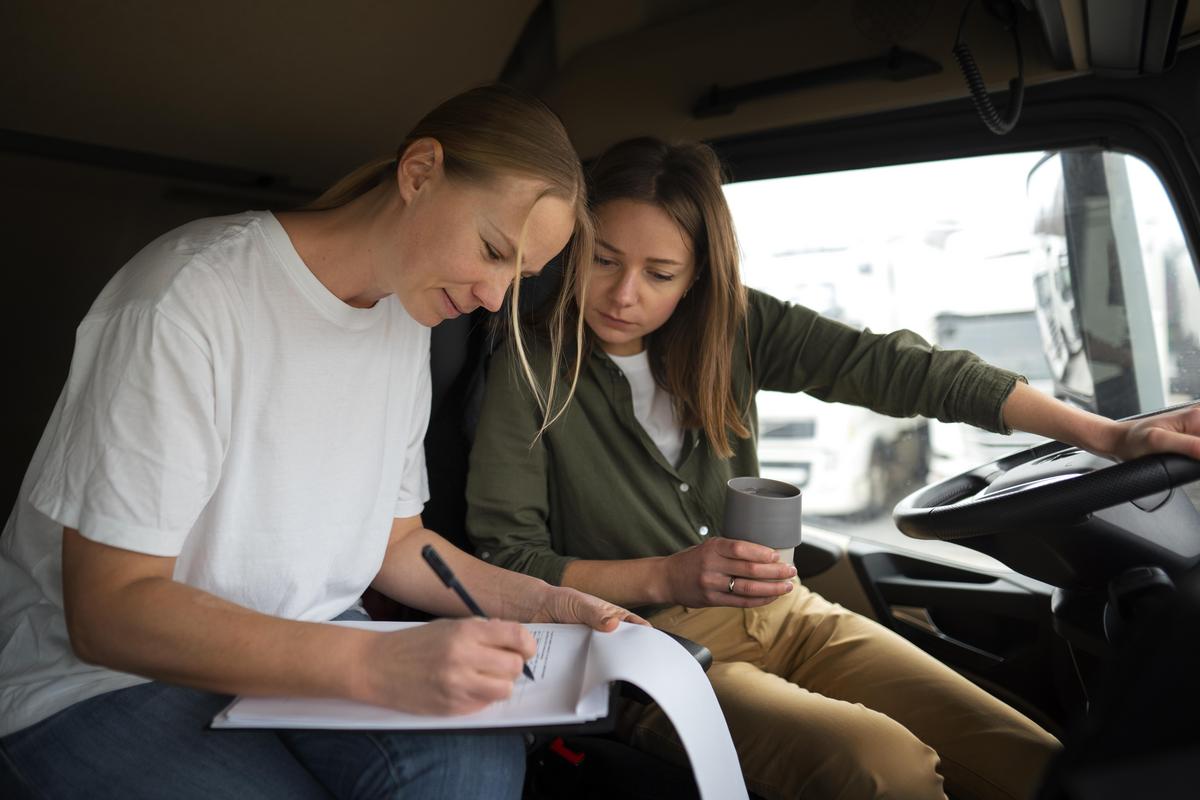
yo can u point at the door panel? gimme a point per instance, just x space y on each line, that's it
993 628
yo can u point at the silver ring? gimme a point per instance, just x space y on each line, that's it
731 580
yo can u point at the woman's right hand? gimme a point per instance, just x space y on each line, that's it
448 666
700 576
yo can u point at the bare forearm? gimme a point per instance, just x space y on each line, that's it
407 578
168 631
1027 409
630 582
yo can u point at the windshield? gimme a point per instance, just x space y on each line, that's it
1090 293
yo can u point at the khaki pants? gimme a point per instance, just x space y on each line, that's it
824 703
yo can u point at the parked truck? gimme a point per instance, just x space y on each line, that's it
848 460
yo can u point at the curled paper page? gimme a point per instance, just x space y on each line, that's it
657 665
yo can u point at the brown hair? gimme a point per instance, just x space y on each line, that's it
485 133
691 355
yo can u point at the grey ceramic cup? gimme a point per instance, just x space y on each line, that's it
763 511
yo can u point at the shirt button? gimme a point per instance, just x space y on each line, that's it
683 487
703 530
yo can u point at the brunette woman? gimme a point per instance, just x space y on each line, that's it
623 496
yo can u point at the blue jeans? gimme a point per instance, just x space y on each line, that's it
150 741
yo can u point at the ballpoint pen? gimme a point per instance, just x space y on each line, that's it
443 571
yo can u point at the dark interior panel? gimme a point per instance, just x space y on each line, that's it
995 629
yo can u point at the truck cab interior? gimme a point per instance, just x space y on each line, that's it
1064 584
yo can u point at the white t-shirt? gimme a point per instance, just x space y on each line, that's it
223 408
652 405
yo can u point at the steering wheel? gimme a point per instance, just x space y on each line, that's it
1063 515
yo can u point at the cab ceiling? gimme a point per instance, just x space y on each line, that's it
303 90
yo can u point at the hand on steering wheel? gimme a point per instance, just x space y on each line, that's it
1065 516
1173 432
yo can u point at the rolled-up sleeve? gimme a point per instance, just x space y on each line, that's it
794 349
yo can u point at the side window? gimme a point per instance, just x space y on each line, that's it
1069 268
1118 300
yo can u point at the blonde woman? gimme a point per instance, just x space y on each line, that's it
237 455
623 496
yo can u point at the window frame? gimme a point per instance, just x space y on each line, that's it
1140 118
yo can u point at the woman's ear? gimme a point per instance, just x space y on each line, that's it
421 161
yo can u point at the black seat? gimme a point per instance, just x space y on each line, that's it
456 366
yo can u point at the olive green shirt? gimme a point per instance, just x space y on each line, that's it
595 486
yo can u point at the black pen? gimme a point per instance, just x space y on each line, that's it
443 571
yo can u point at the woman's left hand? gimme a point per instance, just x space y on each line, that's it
1174 432
561 604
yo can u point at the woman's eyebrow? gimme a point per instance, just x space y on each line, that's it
667 261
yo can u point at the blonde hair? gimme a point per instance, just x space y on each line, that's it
486 133
691 355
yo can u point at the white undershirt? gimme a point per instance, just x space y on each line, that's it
652 405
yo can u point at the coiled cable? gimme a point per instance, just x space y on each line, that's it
991 117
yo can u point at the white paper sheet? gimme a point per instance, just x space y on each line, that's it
553 699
